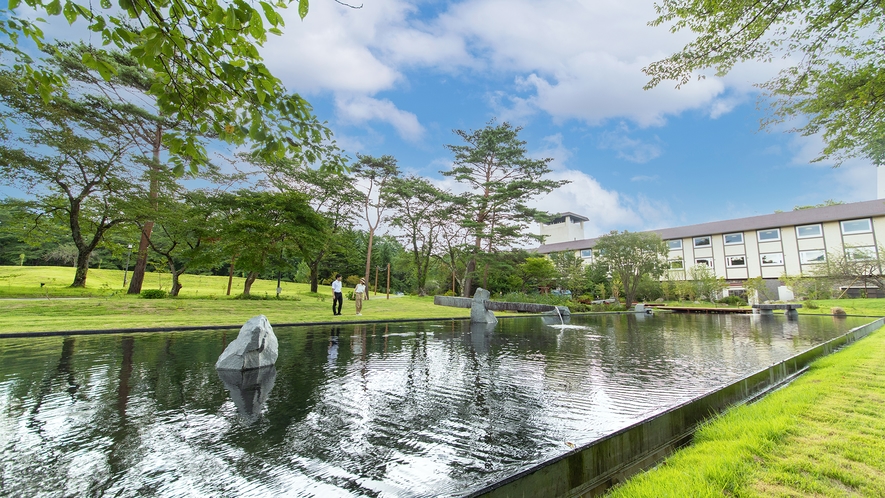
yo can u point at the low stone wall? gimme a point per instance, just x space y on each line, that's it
592 469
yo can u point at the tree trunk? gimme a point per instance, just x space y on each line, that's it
176 284
369 261
141 261
230 277
82 268
247 287
314 277
137 279
467 286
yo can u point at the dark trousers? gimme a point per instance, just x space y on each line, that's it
338 298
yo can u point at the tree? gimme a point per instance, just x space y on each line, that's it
125 93
837 80
375 174
184 230
494 164
330 194
259 227
629 256
419 210
537 272
707 284
74 161
570 267
853 266
455 249
209 71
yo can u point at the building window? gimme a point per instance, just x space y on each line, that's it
815 256
705 241
586 253
736 261
773 259
704 261
857 226
676 264
674 244
769 235
734 238
860 253
808 231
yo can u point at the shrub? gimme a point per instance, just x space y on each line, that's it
153 294
733 301
250 297
811 305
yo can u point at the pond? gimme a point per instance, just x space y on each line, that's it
401 409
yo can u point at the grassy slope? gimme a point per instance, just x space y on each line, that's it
824 435
202 302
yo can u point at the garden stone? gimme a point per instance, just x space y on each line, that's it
256 346
478 311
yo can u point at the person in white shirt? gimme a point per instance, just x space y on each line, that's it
336 295
358 294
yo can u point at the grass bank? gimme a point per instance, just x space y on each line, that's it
823 435
29 307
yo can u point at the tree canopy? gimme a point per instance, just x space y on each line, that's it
494 163
208 71
835 76
629 256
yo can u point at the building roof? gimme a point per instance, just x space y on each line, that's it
775 220
573 215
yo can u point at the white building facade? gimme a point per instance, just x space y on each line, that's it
766 246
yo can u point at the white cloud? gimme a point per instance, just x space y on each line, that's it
585 196
361 109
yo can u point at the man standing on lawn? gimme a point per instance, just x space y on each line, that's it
336 295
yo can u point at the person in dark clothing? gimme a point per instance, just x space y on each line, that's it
337 297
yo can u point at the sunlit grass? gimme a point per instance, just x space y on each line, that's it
203 302
824 435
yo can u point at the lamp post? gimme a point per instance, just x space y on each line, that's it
126 271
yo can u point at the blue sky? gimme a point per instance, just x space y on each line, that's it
397 76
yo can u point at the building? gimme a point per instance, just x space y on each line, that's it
565 226
766 246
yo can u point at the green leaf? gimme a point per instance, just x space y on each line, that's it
53 8
12 4
217 14
302 8
70 12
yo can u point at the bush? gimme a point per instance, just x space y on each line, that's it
153 294
811 305
250 297
733 301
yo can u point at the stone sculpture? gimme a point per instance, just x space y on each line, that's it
256 346
478 311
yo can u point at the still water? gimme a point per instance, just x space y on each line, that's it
405 409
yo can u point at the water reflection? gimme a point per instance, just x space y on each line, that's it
249 389
416 409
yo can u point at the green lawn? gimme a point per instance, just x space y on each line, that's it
823 435
28 307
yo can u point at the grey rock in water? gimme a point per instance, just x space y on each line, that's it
478 312
256 346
